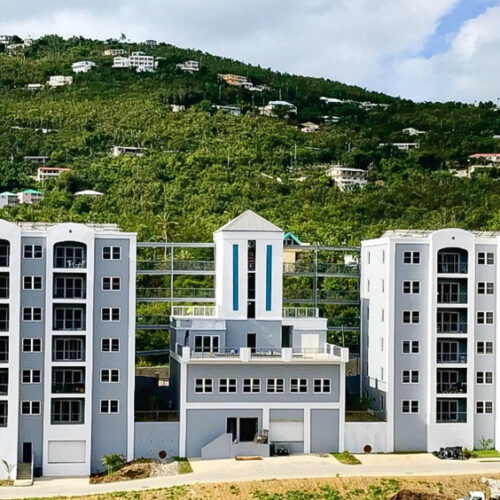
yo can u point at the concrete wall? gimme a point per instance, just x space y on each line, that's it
359 434
324 431
153 437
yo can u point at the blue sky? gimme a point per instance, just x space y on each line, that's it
418 49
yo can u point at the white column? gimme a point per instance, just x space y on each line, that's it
307 430
342 409
265 417
182 410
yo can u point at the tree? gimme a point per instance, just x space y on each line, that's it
9 468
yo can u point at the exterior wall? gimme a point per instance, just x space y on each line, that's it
360 434
324 438
153 437
268 333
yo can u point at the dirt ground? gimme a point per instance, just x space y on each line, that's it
349 488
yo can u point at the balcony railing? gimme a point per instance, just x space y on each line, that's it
67 263
300 312
191 293
452 417
452 327
65 293
452 357
452 388
322 268
194 311
452 268
365 416
156 416
68 388
452 298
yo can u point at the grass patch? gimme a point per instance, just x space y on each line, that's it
484 453
346 458
184 465
6 482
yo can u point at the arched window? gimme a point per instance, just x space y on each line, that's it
452 261
70 255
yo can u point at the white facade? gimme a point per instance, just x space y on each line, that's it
59 81
345 177
48 173
114 52
190 66
429 324
413 131
83 66
403 146
127 150
138 60
272 106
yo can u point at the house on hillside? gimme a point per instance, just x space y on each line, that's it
413 131
189 66
403 146
331 100
232 110
177 108
34 86
5 39
330 119
138 60
48 173
345 177
151 43
114 52
309 127
8 199
60 81
89 192
272 106
491 157
29 196
127 150
235 80
39 161
83 66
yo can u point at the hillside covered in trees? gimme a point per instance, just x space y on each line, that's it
203 166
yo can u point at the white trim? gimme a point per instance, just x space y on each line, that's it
110 345
252 379
32 314
110 371
183 405
322 379
31 340
111 320
32 282
275 379
31 407
298 391
111 248
30 370
109 412
307 430
130 378
203 385
410 401
33 245
227 379
260 405
111 278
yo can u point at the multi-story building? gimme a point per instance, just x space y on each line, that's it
273 106
67 325
59 81
345 177
114 52
246 372
429 333
49 173
83 66
138 60
190 66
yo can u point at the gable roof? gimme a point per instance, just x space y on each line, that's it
292 238
250 221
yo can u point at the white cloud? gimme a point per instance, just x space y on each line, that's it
372 43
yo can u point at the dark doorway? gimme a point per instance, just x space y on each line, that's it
251 309
252 341
286 336
248 429
232 427
27 452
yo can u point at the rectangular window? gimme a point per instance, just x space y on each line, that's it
411 317
30 407
67 411
33 251
367 285
4 318
69 318
227 385
484 407
68 349
110 376
32 282
32 345
4 349
111 253
110 283
275 385
110 345
486 258
4 382
409 406
206 343
31 376
322 385
411 347
484 377
4 412
411 287
298 385
484 347
485 288
32 314
410 377
411 257
109 406
485 318
110 314
251 385
203 385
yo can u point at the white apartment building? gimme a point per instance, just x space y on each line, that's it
138 60
127 150
403 146
272 106
345 177
48 173
190 66
429 330
83 66
114 52
60 81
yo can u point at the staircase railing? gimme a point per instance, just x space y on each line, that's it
32 467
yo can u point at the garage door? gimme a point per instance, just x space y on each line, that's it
286 431
66 452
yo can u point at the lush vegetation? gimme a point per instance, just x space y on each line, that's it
201 167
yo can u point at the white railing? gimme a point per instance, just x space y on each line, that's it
193 311
300 312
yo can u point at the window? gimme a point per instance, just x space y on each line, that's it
485 288
251 385
70 255
487 258
110 376
31 377
381 343
411 347
410 376
412 287
484 377
227 385
483 407
68 349
4 318
275 385
32 314
32 345
110 314
206 343
4 286
69 318
109 406
4 253
110 283
4 349
69 287
485 318
203 385
298 385
67 411
32 282
68 380
110 345
4 381
33 251
30 407
322 385
4 412
111 253
411 257
411 317
484 347
409 406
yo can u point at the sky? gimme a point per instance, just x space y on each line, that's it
425 50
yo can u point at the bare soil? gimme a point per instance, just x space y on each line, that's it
138 469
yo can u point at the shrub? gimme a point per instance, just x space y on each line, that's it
113 462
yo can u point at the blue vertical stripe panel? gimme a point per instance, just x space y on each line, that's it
269 276
235 278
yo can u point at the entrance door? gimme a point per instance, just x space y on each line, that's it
27 452
252 341
232 427
248 429
286 336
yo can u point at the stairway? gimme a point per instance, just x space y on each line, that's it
23 476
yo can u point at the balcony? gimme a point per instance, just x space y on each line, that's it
68 388
300 312
451 411
458 417
452 261
4 318
451 351
452 388
69 287
156 416
4 382
68 380
68 318
451 381
451 321
451 357
194 311
70 255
